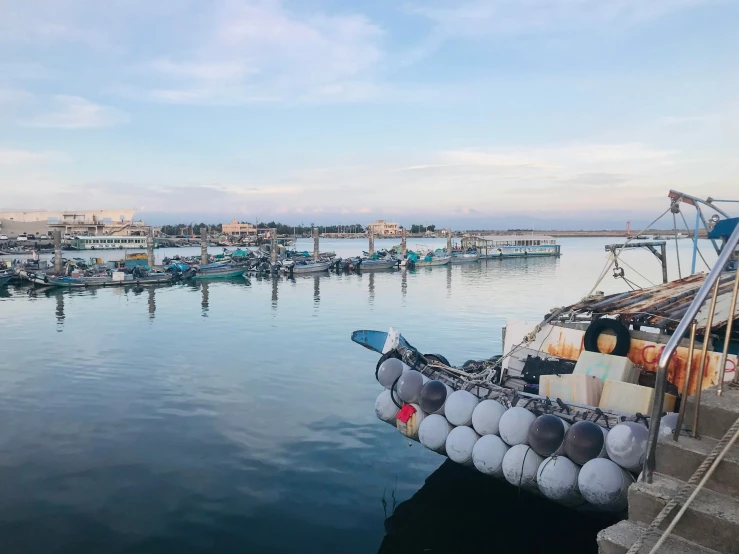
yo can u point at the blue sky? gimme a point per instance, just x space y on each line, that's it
564 113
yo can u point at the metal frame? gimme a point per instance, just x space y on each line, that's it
707 288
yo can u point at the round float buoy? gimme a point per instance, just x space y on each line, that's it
433 396
459 407
433 432
385 408
547 435
486 417
557 480
604 484
390 370
520 465
667 425
409 419
514 425
460 443
409 386
585 441
488 454
626 445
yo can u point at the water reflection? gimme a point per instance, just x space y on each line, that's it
449 280
371 288
204 298
275 281
152 303
317 290
59 311
403 282
460 510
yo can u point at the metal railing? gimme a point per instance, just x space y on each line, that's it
710 286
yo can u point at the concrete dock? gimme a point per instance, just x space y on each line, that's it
711 523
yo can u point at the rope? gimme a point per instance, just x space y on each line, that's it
702 474
639 274
614 255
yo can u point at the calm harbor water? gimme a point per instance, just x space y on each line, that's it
238 416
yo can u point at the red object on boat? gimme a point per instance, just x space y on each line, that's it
406 412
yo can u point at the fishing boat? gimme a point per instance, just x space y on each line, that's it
430 259
6 277
218 271
465 256
576 405
375 262
305 266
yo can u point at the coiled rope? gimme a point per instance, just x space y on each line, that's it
687 493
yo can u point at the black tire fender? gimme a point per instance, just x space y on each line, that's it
623 337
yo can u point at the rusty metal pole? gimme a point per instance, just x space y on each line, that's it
664 263
316 251
58 262
704 352
150 248
686 384
727 340
203 247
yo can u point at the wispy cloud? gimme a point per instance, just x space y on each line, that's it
20 157
74 112
474 17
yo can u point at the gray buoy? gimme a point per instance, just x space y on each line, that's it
433 432
488 454
520 465
486 417
433 396
557 480
626 444
389 371
585 441
459 407
385 408
604 484
409 386
547 435
460 443
514 425
667 425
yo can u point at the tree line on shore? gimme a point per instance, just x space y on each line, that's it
194 229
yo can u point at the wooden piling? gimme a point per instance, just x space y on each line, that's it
58 252
203 247
316 252
150 248
371 232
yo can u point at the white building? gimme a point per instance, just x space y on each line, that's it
383 228
91 222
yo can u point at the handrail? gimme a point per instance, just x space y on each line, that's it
669 351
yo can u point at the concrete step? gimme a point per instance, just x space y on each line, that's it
717 413
711 520
618 538
681 459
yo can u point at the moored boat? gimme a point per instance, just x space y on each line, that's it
465 257
218 271
6 277
307 266
574 407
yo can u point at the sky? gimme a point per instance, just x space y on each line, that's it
466 113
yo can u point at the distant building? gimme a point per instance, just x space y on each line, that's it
382 227
90 222
240 229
